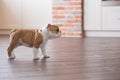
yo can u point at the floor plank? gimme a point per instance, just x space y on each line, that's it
70 58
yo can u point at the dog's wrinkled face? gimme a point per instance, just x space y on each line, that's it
53 31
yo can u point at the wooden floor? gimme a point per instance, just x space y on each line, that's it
70 59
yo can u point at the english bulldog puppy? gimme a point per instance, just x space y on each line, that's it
34 38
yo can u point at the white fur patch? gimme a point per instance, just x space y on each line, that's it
12 55
35 53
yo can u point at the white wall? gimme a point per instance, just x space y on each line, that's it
10 13
24 14
36 13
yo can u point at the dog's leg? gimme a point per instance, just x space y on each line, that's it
43 52
35 53
12 46
10 53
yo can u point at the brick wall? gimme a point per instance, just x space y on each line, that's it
68 15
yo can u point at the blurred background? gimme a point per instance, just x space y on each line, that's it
32 14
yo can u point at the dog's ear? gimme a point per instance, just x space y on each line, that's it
48 25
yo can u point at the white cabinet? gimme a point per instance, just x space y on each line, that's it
101 20
111 18
92 14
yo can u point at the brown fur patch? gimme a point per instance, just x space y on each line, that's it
54 28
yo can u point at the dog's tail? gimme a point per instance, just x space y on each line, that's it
13 30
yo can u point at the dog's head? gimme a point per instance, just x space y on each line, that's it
53 31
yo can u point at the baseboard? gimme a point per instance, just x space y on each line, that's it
5 31
102 33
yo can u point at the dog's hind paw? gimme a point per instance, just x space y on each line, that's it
12 57
37 58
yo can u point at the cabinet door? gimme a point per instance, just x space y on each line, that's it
111 18
37 13
92 14
10 14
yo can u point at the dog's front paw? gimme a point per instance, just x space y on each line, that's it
45 56
36 58
12 57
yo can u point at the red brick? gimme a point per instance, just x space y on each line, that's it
69 8
60 25
66 0
58 8
63 12
77 8
75 3
68 25
78 16
58 16
74 21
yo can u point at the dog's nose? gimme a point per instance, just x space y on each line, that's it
57 30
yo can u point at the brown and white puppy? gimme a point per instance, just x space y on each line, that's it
32 38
